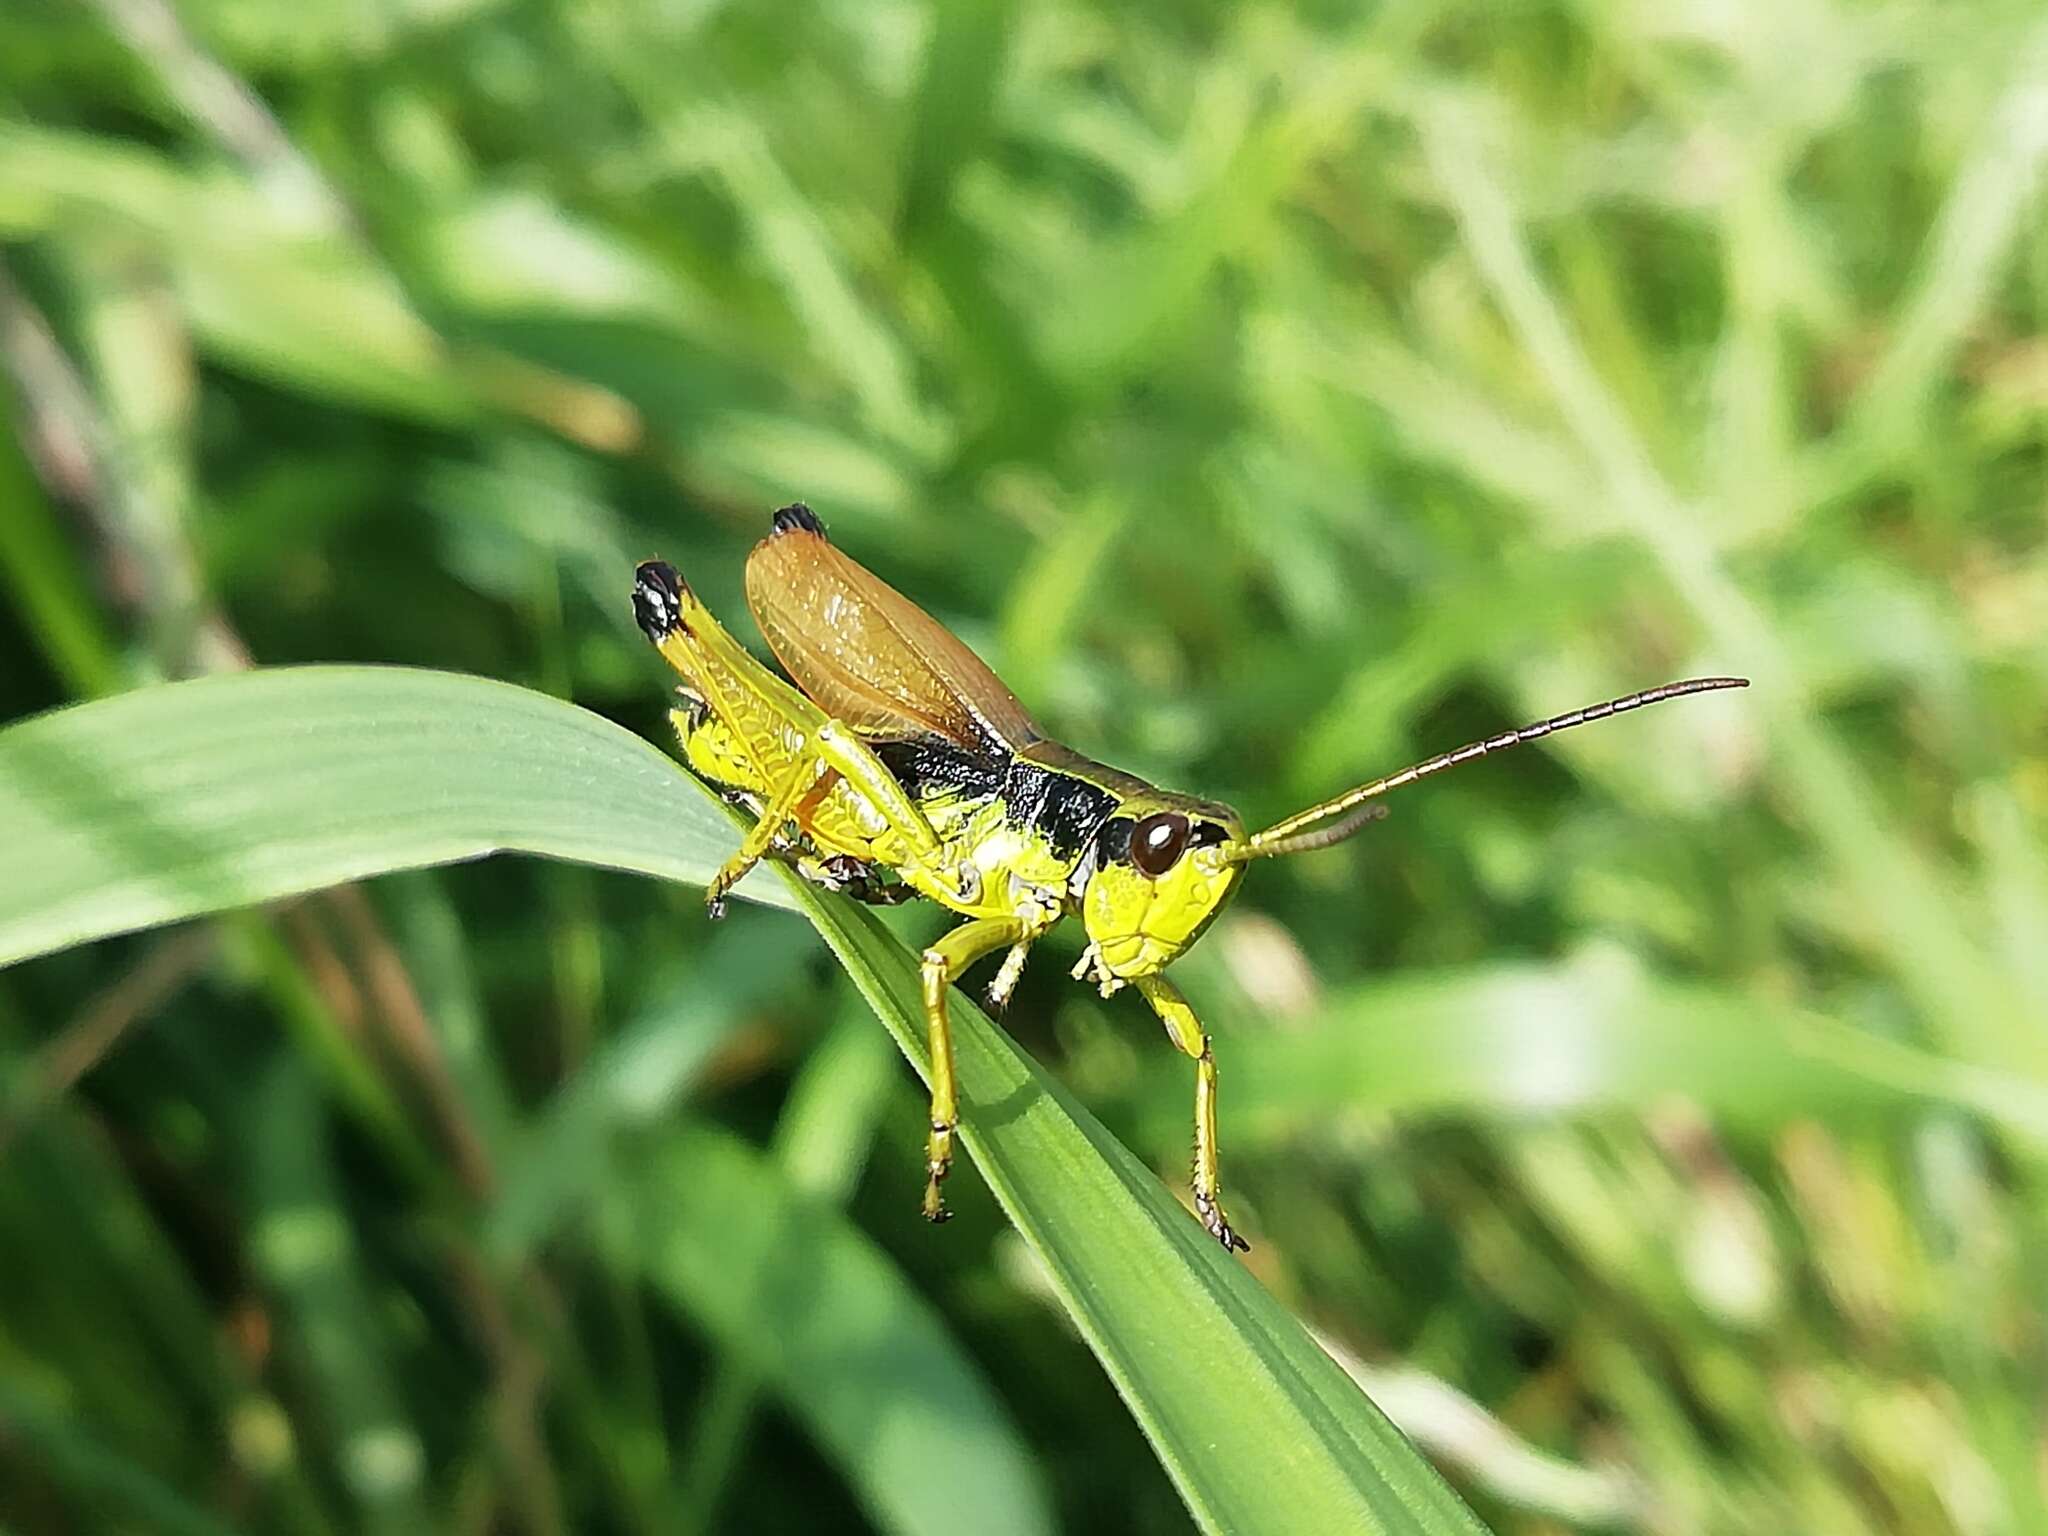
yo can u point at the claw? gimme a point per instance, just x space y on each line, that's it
936 1169
1218 1226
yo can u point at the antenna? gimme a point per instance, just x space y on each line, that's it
1300 833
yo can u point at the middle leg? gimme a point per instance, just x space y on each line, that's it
1185 1030
946 959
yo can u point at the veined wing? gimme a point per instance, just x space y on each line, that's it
866 654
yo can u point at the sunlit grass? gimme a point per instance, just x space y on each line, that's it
1275 395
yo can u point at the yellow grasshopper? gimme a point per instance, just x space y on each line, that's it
904 767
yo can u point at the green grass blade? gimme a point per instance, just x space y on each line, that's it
634 1080
792 1289
103 1479
1596 1033
175 801
42 576
308 1258
822 1140
1259 1429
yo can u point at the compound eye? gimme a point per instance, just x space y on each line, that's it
1158 841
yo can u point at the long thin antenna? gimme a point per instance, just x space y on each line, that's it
1299 832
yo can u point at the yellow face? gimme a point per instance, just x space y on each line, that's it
1162 875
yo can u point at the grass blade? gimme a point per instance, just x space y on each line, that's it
104 1480
1259 1429
792 1289
1594 1034
191 798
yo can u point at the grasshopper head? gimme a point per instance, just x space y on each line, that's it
1162 869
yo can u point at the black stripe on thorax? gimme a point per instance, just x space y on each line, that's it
1060 808
1056 802
927 767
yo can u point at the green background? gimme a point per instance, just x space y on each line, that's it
1274 394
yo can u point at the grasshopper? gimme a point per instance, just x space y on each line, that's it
899 766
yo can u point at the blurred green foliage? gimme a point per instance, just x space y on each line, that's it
1275 393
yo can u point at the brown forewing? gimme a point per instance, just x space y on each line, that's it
870 657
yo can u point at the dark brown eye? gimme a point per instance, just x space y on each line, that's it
1158 841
